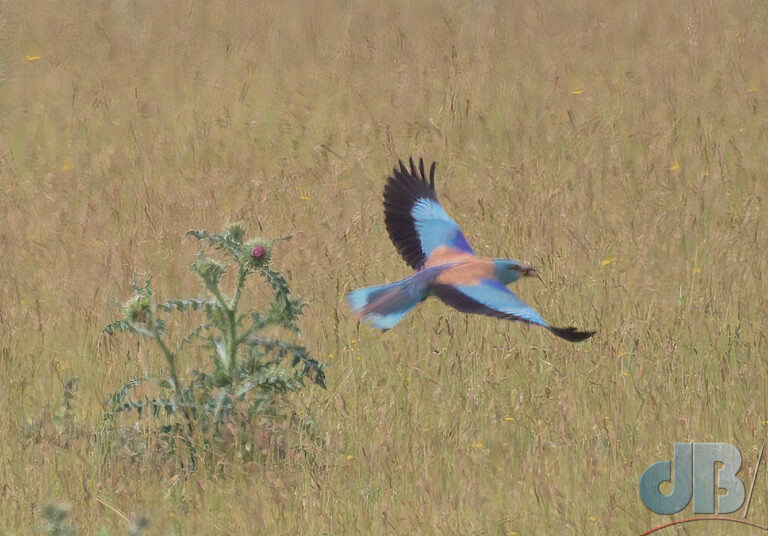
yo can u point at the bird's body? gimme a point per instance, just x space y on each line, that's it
444 263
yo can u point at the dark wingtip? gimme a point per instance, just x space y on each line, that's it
404 188
417 171
432 174
571 334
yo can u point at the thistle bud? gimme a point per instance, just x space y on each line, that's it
260 250
137 309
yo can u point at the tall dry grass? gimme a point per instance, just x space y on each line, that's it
619 146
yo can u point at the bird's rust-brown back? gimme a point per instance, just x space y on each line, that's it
468 269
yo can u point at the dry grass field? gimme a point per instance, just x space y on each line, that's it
621 147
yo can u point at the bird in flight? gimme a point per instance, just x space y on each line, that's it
444 263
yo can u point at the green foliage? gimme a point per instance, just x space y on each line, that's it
55 517
249 373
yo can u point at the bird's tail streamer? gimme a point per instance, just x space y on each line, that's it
385 305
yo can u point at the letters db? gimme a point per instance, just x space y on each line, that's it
695 474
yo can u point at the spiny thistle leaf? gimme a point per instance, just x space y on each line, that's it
235 233
117 400
281 348
209 269
135 328
186 305
160 326
274 378
284 310
191 336
256 322
117 326
231 240
261 346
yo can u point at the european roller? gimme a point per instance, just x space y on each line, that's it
444 263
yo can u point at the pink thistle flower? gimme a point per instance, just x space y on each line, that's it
257 253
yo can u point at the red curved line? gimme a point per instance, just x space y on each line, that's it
708 518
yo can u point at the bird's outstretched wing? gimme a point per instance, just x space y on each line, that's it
416 222
490 297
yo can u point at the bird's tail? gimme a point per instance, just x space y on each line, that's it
385 305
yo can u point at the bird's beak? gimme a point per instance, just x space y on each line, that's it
530 271
526 270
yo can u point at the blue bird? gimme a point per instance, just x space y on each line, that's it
444 263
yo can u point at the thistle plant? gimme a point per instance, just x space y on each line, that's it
249 372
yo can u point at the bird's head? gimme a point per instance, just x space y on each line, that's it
509 270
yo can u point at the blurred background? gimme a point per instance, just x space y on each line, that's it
618 146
